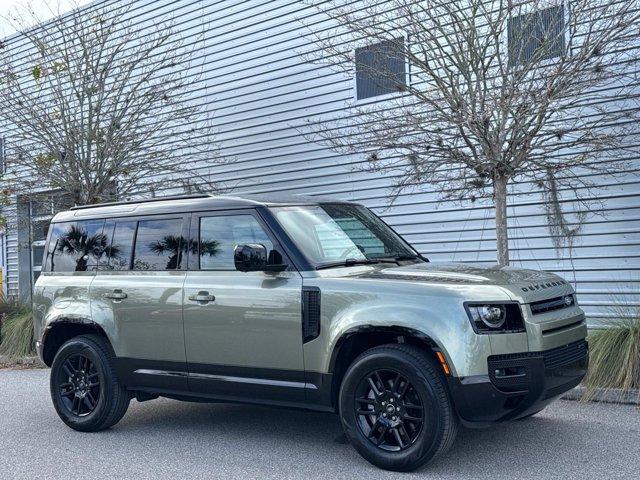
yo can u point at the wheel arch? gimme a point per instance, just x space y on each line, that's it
357 340
57 332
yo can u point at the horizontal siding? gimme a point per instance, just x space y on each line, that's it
12 267
249 76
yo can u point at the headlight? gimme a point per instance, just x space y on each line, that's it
493 316
496 317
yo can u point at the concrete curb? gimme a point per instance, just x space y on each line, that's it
613 395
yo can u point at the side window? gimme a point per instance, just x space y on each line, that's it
118 255
76 246
159 245
219 236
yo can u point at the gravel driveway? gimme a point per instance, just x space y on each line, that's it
169 439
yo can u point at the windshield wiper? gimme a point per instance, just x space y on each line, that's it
349 262
370 261
399 258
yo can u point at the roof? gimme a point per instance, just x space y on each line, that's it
181 204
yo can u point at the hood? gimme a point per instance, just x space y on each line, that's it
522 284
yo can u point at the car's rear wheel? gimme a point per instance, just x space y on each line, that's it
85 388
395 407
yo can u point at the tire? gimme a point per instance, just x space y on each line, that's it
85 389
406 377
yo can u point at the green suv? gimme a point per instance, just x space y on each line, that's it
299 303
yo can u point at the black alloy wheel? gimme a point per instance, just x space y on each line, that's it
395 407
80 385
85 388
389 410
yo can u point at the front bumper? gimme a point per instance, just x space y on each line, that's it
519 384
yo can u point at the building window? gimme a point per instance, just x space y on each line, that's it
380 69
538 35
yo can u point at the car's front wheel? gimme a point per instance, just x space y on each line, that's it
85 389
395 407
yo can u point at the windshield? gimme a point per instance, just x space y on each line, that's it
335 233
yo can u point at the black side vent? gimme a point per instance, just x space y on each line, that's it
310 313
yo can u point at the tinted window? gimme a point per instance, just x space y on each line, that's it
219 236
76 246
159 245
118 255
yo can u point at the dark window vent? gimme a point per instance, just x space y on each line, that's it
310 313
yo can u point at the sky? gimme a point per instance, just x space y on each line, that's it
40 7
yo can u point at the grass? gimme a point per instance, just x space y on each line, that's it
16 339
614 353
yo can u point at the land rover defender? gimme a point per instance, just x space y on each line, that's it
301 303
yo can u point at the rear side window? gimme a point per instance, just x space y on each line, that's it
76 246
118 254
219 236
159 245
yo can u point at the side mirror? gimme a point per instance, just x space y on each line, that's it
252 257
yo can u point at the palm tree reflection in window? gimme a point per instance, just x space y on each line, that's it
76 242
176 245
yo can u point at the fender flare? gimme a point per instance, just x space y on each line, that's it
80 323
392 329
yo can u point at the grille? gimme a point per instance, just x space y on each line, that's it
310 313
551 304
565 355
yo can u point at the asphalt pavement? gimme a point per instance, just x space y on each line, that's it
166 439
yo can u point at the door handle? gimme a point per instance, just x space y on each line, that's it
202 297
116 295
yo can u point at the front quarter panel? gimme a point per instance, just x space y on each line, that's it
436 311
61 298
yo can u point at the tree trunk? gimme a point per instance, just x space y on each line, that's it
502 233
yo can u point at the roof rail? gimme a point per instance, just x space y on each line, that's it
142 200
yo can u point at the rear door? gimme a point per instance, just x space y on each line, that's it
137 293
242 329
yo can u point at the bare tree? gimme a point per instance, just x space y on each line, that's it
100 108
498 93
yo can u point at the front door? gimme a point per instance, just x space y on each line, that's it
242 330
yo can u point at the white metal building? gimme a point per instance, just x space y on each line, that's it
260 93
